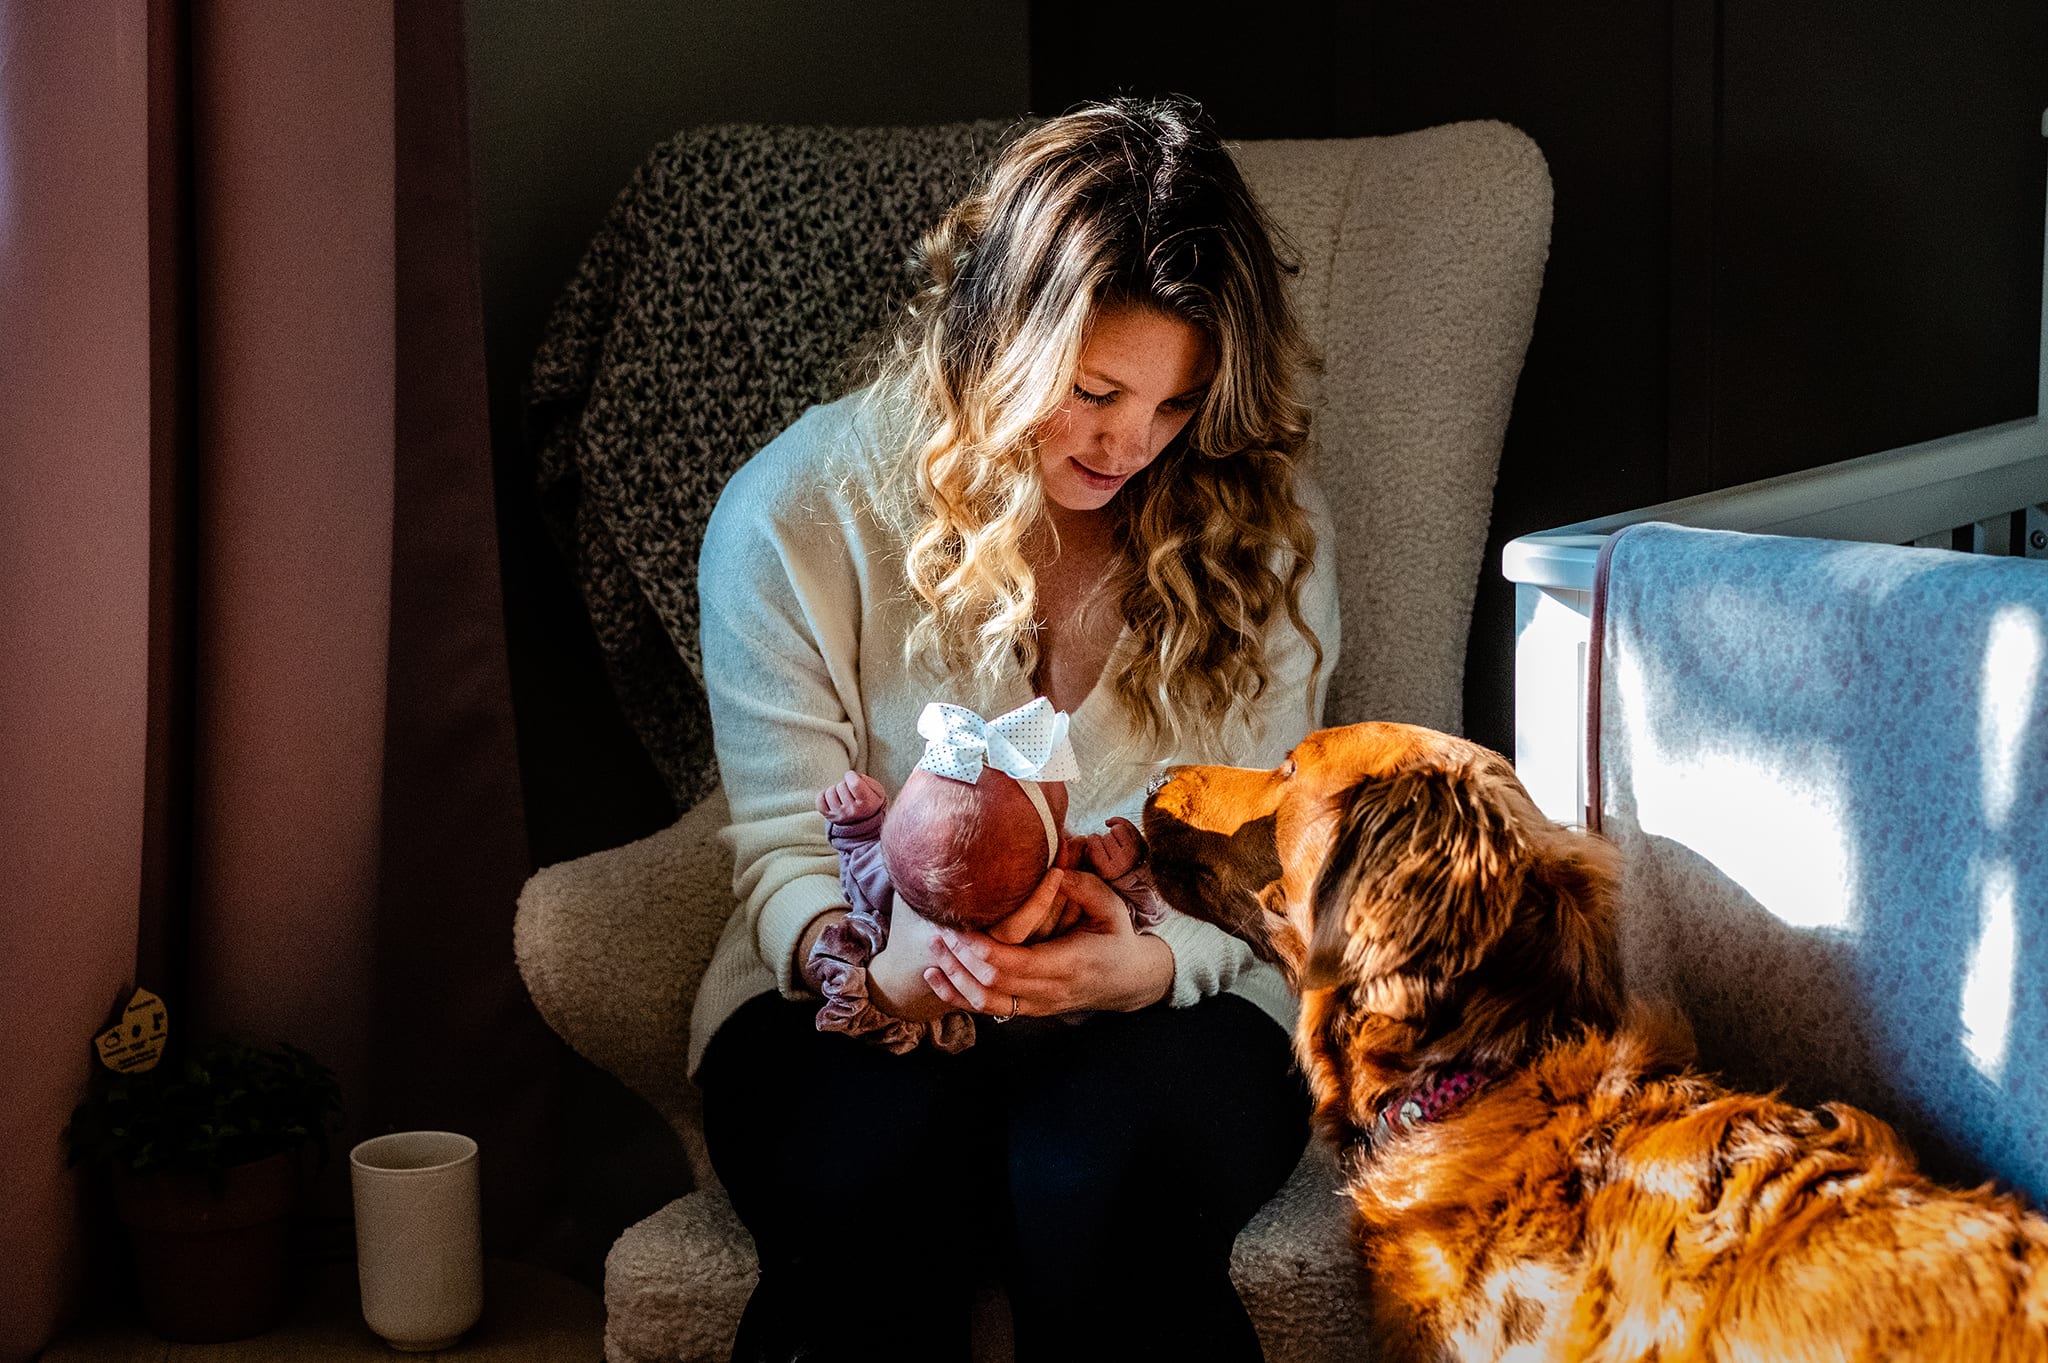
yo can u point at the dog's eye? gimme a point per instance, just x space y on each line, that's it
1287 769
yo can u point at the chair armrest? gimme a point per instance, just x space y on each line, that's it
612 947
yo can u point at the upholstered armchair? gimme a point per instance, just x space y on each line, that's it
734 275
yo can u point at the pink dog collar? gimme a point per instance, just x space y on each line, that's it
1427 1104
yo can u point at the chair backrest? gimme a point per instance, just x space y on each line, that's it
1827 766
1422 259
742 265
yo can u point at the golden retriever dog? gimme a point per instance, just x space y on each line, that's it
1537 1172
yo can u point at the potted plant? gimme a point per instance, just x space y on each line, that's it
204 1160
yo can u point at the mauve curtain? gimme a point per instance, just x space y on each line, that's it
255 736
74 597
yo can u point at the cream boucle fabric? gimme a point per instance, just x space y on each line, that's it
676 1283
1298 1272
613 946
1422 258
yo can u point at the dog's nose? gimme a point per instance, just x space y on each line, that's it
1153 786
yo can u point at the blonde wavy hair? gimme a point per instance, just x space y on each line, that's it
1116 204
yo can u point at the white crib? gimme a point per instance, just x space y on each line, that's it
1982 491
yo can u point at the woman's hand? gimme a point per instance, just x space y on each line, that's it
1102 962
1047 913
897 976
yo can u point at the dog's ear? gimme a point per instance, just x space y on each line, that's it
1581 874
1421 878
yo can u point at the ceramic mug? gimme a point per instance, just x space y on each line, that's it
419 1237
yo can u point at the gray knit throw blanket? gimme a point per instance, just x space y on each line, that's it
730 284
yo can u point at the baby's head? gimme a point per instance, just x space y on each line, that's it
982 818
968 856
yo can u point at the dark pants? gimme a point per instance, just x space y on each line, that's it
1100 1170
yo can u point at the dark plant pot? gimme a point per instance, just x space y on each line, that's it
212 1267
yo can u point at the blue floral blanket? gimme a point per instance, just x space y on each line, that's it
1827 764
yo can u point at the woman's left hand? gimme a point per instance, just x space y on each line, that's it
1102 962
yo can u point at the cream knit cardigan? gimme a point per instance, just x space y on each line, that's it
804 614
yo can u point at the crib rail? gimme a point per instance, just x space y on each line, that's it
1982 491
1917 494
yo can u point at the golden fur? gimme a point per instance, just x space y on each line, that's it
1597 1199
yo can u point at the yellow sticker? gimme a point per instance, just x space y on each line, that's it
136 1042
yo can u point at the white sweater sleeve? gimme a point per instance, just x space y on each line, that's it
780 611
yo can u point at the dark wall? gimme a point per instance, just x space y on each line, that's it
1787 231
1878 228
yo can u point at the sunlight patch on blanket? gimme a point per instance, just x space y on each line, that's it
1994 965
1766 820
2012 677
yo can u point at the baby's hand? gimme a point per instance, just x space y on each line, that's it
852 800
1116 852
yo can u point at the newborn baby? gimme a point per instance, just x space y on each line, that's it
972 834
972 861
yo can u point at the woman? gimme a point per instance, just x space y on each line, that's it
1074 475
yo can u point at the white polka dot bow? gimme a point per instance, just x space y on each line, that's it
1029 743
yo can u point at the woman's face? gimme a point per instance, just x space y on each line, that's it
1141 377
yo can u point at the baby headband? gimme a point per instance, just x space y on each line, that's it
1029 743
